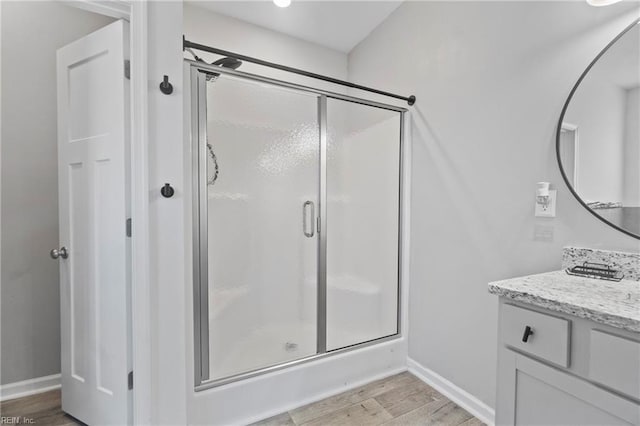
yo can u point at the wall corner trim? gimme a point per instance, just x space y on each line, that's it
456 394
29 387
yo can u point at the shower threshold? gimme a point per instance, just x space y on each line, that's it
208 384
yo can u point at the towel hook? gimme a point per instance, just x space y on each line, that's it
165 86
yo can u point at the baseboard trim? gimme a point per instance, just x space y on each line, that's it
29 387
461 397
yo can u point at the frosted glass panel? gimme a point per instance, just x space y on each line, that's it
262 267
363 181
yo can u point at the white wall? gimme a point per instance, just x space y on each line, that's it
31 34
209 28
169 264
631 178
490 80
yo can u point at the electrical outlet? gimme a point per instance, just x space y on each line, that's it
550 209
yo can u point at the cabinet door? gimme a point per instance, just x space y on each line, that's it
545 396
541 403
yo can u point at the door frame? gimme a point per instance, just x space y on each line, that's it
197 75
568 127
135 12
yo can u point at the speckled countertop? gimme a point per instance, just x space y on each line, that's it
608 302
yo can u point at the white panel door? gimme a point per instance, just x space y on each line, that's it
92 174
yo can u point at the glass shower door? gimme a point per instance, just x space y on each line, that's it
296 223
261 150
363 222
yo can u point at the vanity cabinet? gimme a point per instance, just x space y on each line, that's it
555 368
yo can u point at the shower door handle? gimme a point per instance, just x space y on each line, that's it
308 205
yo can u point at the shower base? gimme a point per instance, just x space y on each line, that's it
267 346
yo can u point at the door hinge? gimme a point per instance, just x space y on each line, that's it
127 69
130 380
129 227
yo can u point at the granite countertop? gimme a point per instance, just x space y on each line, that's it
608 302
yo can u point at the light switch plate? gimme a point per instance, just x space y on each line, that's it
549 210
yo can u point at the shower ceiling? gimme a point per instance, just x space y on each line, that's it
339 25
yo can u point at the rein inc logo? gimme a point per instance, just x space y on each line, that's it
16 420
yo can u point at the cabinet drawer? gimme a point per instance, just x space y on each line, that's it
615 362
541 335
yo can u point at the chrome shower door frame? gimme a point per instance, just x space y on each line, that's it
198 82
200 224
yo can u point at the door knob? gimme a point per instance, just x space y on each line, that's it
61 252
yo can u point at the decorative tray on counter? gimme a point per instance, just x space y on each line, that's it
596 270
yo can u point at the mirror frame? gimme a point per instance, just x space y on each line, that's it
559 129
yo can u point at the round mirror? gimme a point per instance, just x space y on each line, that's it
598 138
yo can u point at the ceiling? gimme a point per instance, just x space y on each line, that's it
339 25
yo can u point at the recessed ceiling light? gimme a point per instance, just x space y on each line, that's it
599 3
282 3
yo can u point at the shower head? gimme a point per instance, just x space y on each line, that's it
232 63
226 62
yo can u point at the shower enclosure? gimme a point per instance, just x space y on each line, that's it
297 197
